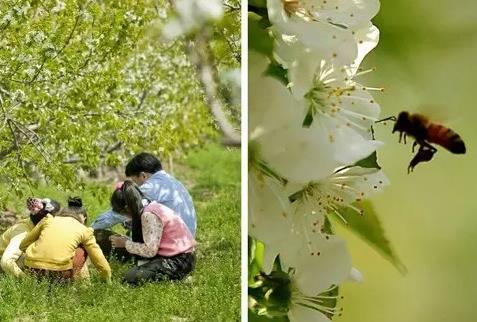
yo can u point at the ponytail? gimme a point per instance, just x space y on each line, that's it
127 198
75 210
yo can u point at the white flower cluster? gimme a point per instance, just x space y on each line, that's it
191 15
305 139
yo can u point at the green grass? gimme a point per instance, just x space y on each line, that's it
213 294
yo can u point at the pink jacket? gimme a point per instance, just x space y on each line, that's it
176 237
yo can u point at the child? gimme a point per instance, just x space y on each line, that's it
159 237
51 247
11 239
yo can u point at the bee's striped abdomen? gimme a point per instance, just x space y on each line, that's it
446 138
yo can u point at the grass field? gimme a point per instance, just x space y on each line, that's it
213 294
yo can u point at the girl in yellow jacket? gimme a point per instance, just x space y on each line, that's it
50 247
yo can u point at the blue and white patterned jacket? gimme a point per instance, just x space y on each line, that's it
165 189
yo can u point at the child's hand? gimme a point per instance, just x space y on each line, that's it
118 241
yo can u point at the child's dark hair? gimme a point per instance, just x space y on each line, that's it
128 199
75 210
143 162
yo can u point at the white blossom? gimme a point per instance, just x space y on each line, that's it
331 33
60 6
8 17
343 13
305 138
336 192
314 261
304 65
299 153
191 15
296 237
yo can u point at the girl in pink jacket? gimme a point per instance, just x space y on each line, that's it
161 241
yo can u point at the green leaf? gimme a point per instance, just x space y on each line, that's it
327 227
259 38
308 119
256 251
278 72
259 7
369 162
258 3
369 228
252 317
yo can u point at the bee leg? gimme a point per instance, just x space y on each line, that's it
428 146
400 136
405 138
414 145
424 154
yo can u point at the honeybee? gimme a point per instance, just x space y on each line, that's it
426 132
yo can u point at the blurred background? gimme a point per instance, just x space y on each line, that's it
426 60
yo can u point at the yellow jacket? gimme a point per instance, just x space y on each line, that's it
9 246
51 245
20 227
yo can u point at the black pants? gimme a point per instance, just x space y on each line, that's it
162 269
102 239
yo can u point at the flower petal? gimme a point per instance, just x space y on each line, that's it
270 102
357 183
298 313
359 109
355 276
270 220
346 12
329 41
367 39
322 263
302 65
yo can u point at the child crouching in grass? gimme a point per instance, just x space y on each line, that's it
10 240
160 238
53 248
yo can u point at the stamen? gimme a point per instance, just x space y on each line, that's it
347 187
379 89
349 122
291 6
340 216
359 211
364 72
359 115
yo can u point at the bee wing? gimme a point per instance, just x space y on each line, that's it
435 112
440 114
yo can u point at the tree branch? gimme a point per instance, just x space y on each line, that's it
200 56
115 147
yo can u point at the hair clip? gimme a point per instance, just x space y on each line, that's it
119 185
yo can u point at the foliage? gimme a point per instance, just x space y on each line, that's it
212 295
87 83
367 225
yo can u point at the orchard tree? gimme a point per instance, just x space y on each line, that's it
89 83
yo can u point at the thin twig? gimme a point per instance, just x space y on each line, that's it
107 151
200 56
19 156
37 145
